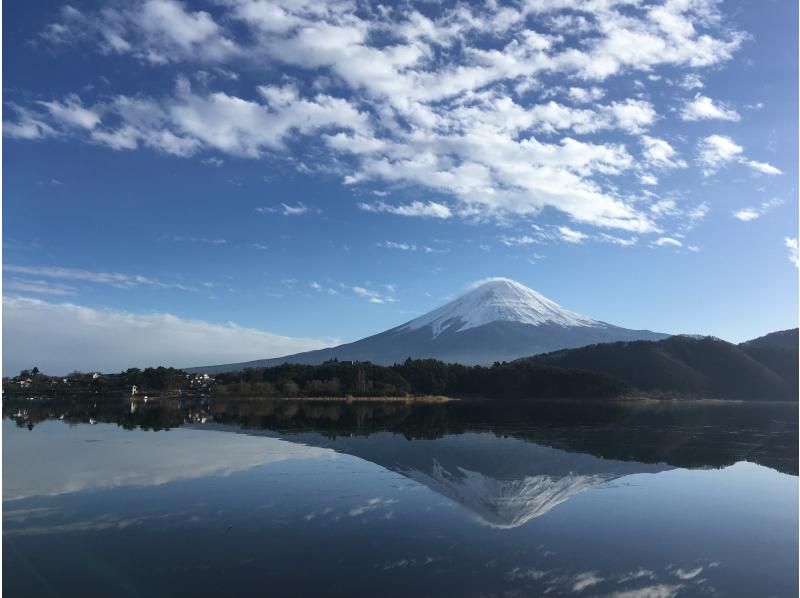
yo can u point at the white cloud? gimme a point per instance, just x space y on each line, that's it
399 246
154 31
716 151
667 242
114 279
285 209
28 125
752 213
631 116
570 235
39 287
373 296
691 81
658 153
72 112
186 122
521 240
295 210
763 167
704 108
430 209
583 95
429 104
624 242
794 250
60 338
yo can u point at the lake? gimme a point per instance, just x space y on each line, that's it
367 499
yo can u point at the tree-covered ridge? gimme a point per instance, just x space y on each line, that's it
763 369
417 377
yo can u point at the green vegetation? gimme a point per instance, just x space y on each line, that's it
158 380
687 366
416 377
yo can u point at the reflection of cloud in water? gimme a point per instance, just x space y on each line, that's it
687 573
586 580
590 583
371 505
660 590
99 523
103 456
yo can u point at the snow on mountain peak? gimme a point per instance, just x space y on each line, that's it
498 299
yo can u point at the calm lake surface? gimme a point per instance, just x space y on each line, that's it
372 499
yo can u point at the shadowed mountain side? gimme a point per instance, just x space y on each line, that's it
778 351
497 341
782 339
694 366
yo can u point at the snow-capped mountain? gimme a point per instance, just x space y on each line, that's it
498 300
496 320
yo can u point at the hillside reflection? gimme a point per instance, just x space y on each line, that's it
688 434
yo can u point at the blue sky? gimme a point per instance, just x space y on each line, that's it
235 179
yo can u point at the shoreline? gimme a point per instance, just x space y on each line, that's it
430 399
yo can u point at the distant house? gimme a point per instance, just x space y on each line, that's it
134 390
95 376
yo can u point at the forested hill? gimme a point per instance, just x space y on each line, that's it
762 369
783 339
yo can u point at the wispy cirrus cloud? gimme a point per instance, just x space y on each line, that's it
401 246
284 209
373 296
39 287
114 279
539 235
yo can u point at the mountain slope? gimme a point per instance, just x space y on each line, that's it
498 320
777 351
699 366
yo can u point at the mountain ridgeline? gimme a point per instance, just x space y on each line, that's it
765 368
498 320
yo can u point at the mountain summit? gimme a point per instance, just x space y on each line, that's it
497 319
498 300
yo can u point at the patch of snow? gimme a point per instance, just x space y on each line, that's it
499 299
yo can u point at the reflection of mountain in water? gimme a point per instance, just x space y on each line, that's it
504 503
503 482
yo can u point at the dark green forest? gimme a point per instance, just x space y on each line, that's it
417 377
